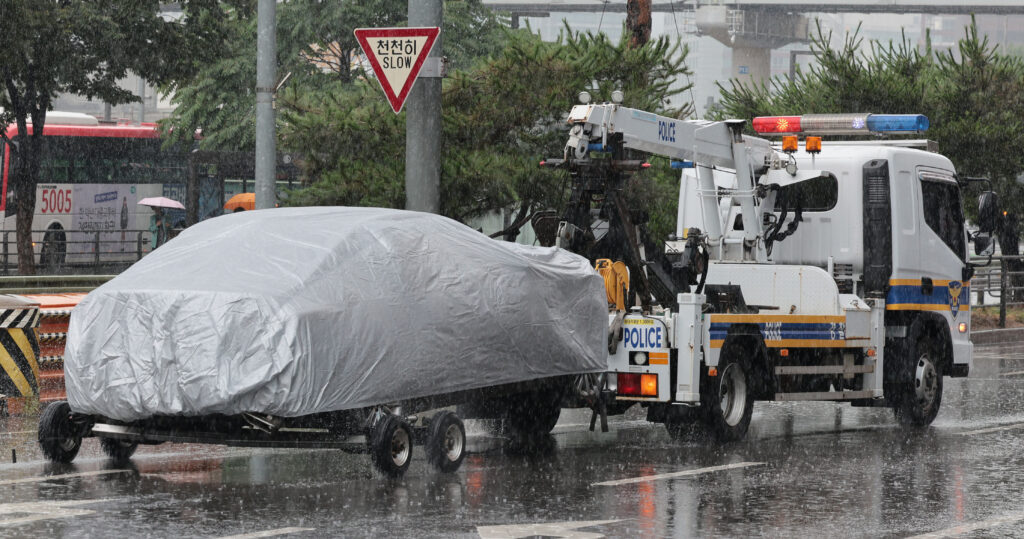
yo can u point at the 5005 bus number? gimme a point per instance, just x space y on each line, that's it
56 201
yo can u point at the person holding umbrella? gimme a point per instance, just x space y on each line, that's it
158 227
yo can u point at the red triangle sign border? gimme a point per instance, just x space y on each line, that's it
397 100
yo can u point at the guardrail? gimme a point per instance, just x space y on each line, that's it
1003 279
50 284
77 251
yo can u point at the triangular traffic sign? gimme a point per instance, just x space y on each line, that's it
397 55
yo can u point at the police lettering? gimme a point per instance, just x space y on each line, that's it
667 131
637 338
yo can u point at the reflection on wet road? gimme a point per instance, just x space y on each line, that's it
806 470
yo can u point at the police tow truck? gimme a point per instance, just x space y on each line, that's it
819 271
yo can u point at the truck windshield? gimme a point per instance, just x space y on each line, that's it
815 194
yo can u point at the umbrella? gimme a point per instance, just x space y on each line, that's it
244 201
161 202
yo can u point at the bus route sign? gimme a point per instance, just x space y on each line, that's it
397 55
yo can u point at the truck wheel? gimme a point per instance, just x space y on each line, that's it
918 400
728 403
446 442
534 414
118 450
391 446
58 437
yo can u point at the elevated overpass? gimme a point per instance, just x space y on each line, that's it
938 7
752 28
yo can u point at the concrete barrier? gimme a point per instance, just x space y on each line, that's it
19 352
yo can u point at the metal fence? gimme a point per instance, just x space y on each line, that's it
77 251
1001 279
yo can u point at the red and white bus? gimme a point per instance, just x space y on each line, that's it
90 181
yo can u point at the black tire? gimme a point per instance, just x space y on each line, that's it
534 414
58 436
919 395
118 450
726 399
391 446
446 442
683 423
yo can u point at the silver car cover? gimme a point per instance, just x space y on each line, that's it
304 310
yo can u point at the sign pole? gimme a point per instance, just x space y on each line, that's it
266 73
423 123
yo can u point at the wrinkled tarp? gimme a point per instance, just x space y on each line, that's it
303 310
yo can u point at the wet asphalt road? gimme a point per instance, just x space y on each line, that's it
805 470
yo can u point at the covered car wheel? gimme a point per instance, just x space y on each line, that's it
118 450
446 442
917 401
58 436
727 401
391 446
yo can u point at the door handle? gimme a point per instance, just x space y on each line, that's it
926 286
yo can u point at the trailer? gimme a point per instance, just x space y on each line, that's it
352 328
821 271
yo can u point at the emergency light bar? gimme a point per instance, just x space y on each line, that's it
841 124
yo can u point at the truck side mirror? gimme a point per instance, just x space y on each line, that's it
983 245
988 212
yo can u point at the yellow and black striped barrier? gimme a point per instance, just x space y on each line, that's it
19 349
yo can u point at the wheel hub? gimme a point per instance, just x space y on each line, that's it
400 447
453 442
733 393
926 381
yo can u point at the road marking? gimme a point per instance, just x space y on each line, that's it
547 529
673 475
970 527
993 429
1014 373
268 533
62 476
9 433
43 510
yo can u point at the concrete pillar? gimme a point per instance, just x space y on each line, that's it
751 64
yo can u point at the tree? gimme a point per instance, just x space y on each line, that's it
500 118
972 94
84 47
315 48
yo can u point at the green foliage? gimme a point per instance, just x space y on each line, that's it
501 117
316 49
85 47
973 95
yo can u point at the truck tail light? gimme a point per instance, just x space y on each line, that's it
649 385
629 384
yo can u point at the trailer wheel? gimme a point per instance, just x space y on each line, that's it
391 446
57 433
918 400
446 442
118 450
728 402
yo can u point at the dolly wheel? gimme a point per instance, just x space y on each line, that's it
58 437
391 446
118 450
446 442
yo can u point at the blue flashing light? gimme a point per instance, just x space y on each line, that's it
681 164
595 147
906 123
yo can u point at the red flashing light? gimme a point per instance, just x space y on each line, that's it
629 384
542 163
777 124
645 165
